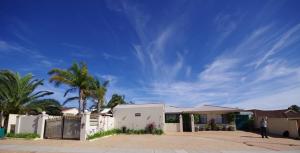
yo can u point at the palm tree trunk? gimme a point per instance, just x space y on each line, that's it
1 118
98 106
84 105
80 101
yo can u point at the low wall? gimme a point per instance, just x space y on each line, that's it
172 127
104 123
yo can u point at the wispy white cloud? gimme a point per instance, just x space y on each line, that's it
285 40
11 48
113 57
246 74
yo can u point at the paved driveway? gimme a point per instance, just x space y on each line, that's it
200 142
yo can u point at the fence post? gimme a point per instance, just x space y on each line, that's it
99 122
85 125
41 124
18 124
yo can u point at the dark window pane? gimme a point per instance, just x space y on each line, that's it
172 118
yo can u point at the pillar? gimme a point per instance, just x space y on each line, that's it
99 128
181 123
18 123
192 122
85 125
41 124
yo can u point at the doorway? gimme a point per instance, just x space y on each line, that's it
186 119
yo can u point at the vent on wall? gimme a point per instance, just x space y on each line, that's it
137 114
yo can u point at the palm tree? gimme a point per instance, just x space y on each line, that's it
98 93
16 92
50 106
77 78
116 100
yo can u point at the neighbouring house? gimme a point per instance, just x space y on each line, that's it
199 118
173 119
69 111
106 112
280 122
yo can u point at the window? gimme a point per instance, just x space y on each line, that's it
218 119
172 118
200 118
224 119
137 114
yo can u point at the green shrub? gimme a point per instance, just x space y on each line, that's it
158 131
104 133
23 135
119 131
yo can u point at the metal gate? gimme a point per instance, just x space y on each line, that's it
63 127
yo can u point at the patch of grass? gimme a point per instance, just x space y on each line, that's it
119 131
104 133
23 135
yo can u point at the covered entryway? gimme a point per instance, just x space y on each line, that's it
63 127
186 118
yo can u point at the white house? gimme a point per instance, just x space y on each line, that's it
70 111
138 116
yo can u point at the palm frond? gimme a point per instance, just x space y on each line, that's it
70 99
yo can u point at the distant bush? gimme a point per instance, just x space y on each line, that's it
23 135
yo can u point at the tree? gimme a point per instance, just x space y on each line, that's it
50 106
115 100
77 78
294 108
16 92
98 93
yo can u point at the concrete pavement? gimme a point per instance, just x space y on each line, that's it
7 148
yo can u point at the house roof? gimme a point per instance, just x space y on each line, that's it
173 109
105 111
138 105
204 108
67 108
209 108
284 113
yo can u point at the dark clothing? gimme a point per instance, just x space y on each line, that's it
263 131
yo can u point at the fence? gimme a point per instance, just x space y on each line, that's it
63 127
60 127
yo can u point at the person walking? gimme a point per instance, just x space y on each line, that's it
263 127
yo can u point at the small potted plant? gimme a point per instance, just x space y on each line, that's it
196 128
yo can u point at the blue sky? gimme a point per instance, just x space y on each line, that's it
181 52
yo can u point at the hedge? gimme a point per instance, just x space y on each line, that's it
23 135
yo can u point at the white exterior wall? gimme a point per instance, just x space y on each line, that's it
12 120
279 125
149 114
172 127
28 124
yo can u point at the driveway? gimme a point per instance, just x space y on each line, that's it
200 142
